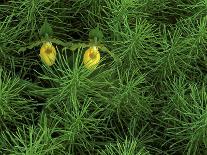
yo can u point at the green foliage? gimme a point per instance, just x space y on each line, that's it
46 29
14 107
146 96
125 148
31 140
96 35
186 114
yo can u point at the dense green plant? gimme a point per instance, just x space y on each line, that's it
146 96
15 106
186 117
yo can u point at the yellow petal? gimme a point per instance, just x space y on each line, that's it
48 53
91 58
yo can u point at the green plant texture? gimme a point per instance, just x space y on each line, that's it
145 94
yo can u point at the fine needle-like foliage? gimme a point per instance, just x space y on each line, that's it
103 77
124 148
31 140
14 106
186 116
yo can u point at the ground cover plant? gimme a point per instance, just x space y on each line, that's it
103 77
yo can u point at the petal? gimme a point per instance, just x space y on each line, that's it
48 57
89 61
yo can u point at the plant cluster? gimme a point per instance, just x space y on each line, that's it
103 77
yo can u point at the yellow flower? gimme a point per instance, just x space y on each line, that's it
48 53
91 57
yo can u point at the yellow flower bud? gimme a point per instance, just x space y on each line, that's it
91 57
48 53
